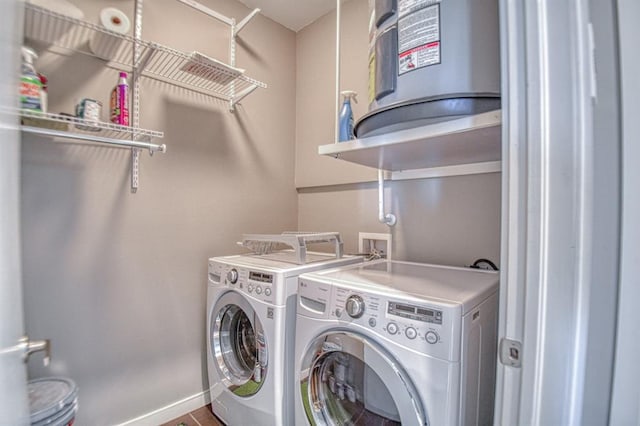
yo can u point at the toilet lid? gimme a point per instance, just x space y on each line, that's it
48 396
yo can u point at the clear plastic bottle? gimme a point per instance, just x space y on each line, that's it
346 116
30 84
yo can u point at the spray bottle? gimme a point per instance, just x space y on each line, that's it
346 116
30 84
119 101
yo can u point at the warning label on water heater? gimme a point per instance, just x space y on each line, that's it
408 6
418 36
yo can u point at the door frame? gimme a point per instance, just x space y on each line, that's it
625 398
560 212
13 386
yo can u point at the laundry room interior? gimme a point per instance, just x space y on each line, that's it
115 242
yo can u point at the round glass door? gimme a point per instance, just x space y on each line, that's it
238 345
349 380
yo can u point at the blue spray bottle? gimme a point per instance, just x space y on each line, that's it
346 116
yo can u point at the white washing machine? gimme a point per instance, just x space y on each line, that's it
251 307
389 343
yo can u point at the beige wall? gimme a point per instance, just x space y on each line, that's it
450 221
117 281
316 88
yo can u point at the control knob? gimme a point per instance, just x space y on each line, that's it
354 306
431 337
232 276
410 332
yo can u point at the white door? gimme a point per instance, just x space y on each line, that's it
14 408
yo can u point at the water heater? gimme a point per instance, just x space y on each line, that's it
430 61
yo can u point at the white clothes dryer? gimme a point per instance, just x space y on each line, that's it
391 343
251 308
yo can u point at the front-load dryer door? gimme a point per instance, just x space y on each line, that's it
348 379
238 345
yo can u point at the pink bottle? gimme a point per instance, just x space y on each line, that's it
119 103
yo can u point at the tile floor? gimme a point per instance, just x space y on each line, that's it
200 417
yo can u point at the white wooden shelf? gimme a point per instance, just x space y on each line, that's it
468 140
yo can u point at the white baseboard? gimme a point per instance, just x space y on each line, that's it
171 411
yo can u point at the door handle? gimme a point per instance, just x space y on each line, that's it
31 347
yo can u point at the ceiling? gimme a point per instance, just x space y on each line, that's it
293 14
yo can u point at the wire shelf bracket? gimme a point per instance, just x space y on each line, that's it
234 96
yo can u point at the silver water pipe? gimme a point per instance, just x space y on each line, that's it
337 113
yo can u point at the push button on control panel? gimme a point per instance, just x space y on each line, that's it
249 288
259 289
372 322
392 328
431 337
267 291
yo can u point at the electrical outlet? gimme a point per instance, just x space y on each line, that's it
374 243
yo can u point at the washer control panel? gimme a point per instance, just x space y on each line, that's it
257 284
417 325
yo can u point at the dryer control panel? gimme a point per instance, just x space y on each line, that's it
429 327
426 327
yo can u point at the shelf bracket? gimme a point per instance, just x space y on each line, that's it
232 62
204 9
141 64
135 169
236 99
237 28
135 91
388 219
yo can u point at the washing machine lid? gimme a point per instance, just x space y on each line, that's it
283 262
461 286
346 378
